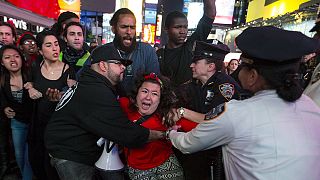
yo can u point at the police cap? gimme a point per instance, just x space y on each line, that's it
210 52
106 53
271 45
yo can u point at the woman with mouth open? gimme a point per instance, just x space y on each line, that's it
16 104
148 105
50 76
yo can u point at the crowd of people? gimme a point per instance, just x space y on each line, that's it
173 113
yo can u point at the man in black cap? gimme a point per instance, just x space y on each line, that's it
209 88
275 133
88 111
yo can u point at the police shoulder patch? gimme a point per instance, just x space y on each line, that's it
226 90
215 112
66 97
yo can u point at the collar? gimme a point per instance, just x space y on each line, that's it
88 74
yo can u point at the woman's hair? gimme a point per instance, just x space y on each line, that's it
168 99
42 35
285 79
4 71
229 63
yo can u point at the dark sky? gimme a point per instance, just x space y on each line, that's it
105 6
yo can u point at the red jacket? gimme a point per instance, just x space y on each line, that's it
152 154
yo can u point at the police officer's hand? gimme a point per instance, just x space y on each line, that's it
53 94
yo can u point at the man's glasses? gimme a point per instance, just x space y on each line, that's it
114 62
29 42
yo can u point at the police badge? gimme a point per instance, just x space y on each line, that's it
226 90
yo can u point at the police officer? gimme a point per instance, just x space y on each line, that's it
209 88
275 133
210 85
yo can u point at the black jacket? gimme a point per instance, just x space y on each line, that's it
23 110
218 89
84 114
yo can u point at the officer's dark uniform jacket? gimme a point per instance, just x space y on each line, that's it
85 113
218 89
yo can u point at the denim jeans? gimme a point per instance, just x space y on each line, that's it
19 138
70 170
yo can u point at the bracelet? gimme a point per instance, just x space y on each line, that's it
167 134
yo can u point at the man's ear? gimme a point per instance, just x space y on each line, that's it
253 77
166 29
211 67
103 67
113 29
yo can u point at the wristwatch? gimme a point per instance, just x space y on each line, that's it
181 111
167 132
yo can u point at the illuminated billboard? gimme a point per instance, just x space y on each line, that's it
149 32
224 12
150 14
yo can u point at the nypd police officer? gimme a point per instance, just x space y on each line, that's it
209 88
275 133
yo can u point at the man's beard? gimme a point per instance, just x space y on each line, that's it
118 43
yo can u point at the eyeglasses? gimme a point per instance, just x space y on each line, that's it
29 42
114 62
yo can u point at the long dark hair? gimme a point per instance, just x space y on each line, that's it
168 99
4 72
285 79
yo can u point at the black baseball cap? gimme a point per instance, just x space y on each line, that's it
106 53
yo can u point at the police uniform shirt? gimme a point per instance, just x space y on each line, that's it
263 137
218 89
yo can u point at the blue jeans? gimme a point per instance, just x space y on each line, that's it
19 138
70 170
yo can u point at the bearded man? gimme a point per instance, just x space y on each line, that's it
143 55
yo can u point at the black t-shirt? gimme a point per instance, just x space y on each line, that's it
175 63
44 108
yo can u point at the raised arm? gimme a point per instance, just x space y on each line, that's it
209 8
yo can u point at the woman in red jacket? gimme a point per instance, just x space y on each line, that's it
149 105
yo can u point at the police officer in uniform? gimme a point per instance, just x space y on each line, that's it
275 133
209 88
